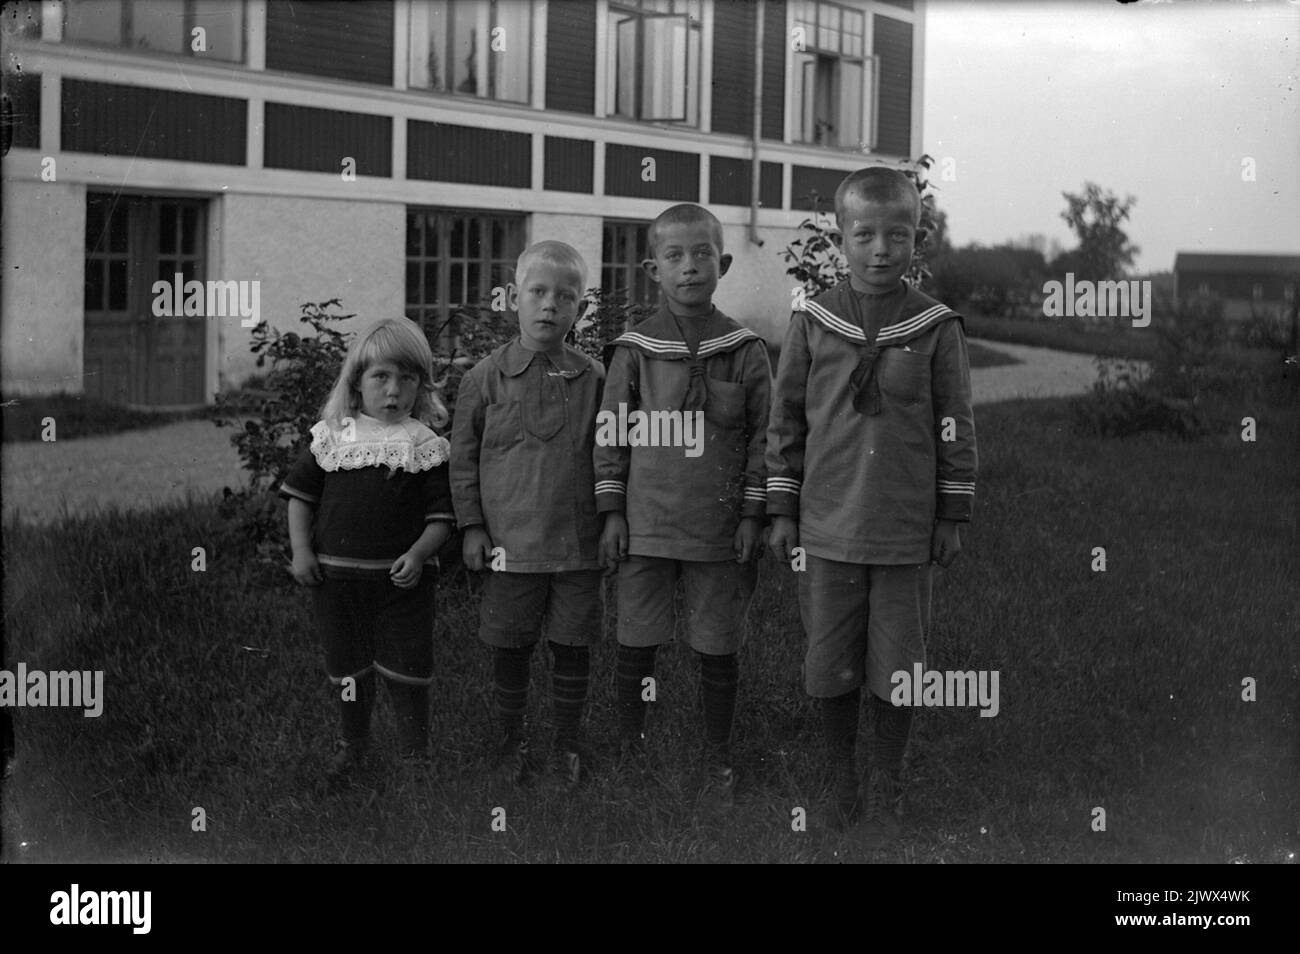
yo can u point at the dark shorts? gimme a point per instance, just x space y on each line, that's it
863 623
515 606
717 596
367 623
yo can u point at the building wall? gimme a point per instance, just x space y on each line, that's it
756 291
310 251
581 231
41 296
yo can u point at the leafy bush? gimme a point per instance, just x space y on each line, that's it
1193 384
1126 400
607 316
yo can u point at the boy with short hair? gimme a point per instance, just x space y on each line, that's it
871 467
524 494
689 508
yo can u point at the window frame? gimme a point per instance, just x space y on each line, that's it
627 276
816 55
620 12
126 26
486 20
438 317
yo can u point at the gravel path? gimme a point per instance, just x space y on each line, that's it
140 469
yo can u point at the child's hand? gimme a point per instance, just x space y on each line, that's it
305 569
945 543
476 548
783 538
406 570
613 542
748 542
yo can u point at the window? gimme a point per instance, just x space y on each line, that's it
472 47
624 246
654 60
831 74
1257 292
455 259
160 27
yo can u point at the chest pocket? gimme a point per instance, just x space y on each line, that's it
502 425
544 418
725 405
904 375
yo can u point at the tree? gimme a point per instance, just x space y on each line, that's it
1104 250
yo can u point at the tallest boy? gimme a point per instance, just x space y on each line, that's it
870 468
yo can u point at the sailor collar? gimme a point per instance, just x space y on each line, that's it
919 313
364 441
514 359
659 337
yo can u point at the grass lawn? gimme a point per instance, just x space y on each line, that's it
1119 689
982 356
78 416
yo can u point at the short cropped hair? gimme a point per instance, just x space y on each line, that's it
685 214
878 184
553 253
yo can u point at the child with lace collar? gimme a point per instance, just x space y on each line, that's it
369 506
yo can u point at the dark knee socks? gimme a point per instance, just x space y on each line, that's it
354 712
893 723
570 677
719 678
840 730
510 675
634 664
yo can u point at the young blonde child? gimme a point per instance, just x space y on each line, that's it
524 493
369 506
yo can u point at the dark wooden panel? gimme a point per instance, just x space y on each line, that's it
804 180
317 140
676 174
571 55
733 67
450 153
729 182
117 120
569 165
892 42
347 41
20 111
775 47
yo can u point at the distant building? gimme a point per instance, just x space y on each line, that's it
1258 284
399 155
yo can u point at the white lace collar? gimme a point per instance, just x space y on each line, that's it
364 441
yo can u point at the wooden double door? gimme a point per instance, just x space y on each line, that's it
131 356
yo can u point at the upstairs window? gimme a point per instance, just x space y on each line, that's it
172 27
832 75
472 47
654 60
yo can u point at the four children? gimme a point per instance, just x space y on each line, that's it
866 460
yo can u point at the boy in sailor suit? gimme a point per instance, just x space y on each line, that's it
871 466
686 502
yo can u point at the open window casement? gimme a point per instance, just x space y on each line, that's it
653 67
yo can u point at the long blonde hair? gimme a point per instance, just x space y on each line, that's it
401 341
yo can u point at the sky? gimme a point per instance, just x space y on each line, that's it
1177 104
